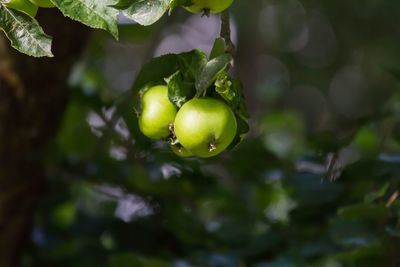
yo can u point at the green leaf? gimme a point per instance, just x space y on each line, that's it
359 253
155 71
123 4
231 90
93 13
130 259
179 91
242 129
363 211
191 64
23 6
218 48
177 3
181 83
144 12
211 71
124 259
224 87
25 33
154 263
158 69
373 196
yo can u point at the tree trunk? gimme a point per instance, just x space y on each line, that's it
33 96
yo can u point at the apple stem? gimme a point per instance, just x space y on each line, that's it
172 137
206 12
171 129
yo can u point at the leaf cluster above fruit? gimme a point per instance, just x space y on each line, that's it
26 35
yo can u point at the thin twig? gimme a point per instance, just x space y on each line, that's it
333 170
392 199
226 32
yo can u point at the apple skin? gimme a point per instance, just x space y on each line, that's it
158 113
180 151
215 6
43 3
205 126
24 6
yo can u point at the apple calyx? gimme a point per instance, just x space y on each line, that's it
212 145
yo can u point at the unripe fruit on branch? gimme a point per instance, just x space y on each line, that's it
158 113
205 126
206 6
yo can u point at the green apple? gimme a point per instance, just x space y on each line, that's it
214 6
205 126
43 3
158 113
24 6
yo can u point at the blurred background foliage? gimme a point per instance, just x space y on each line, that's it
315 183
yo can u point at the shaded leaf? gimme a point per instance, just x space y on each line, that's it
191 64
23 6
359 253
363 211
231 90
211 71
160 68
218 48
242 129
156 70
179 91
372 196
122 259
176 3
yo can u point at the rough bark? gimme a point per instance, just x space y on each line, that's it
33 96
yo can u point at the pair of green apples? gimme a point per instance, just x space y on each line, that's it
29 7
204 127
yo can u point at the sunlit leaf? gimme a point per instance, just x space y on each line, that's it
144 12
24 32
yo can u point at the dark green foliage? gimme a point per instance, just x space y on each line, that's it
314 183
